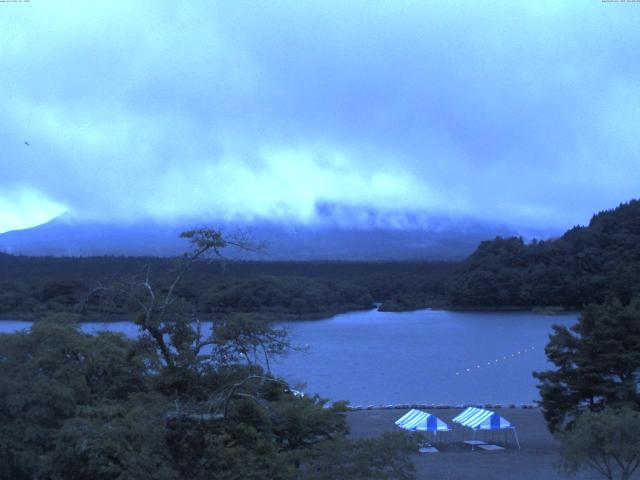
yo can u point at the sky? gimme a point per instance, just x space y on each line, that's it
520 112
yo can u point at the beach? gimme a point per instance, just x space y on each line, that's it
536 459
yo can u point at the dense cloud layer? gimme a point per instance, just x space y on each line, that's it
523 112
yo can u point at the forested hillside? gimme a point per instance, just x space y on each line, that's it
585 265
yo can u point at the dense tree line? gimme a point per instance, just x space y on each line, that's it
586 265
284 296
34 286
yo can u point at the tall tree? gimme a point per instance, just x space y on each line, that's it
597 363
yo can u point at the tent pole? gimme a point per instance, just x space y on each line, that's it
515 434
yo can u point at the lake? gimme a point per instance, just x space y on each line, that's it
425 356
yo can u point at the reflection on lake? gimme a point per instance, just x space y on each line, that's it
423 356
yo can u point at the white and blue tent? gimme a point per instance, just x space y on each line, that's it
417 420
479 419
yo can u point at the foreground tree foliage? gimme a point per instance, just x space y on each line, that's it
607 441
181 402
61 390
597 363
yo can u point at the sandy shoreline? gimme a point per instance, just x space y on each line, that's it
536 459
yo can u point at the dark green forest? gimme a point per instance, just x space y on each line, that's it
586 265
31 287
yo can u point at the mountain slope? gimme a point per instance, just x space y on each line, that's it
440 238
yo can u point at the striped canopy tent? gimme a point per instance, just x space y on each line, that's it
417 420
478 419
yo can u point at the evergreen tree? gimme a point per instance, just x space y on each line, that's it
597 363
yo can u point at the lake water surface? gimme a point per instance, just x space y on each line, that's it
426 356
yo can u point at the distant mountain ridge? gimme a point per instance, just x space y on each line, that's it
440 238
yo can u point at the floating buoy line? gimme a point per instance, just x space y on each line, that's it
496 361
